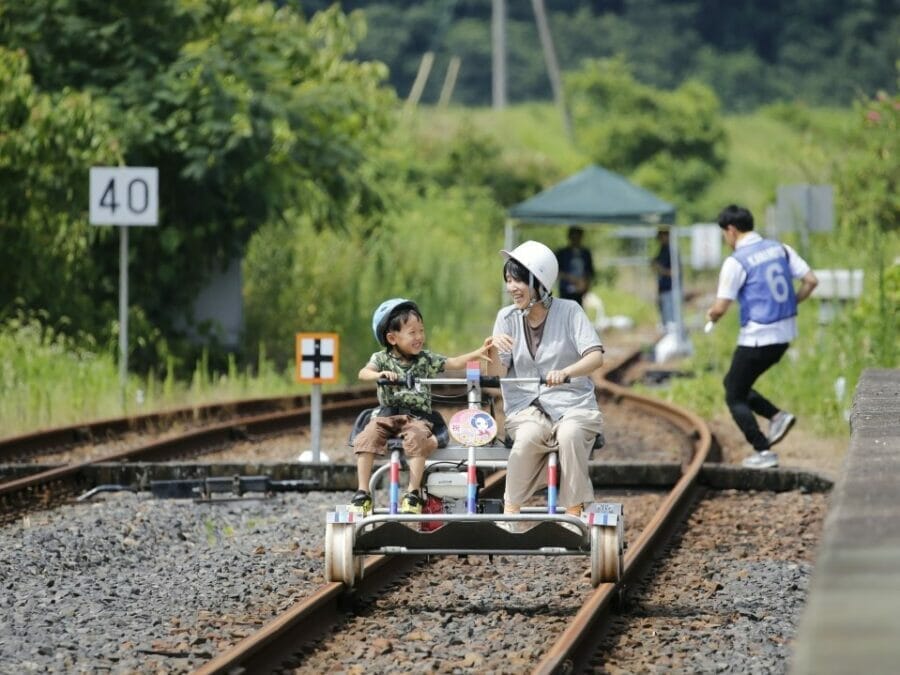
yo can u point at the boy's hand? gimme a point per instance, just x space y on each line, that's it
387 375
484 353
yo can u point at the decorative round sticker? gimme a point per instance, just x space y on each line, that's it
472 427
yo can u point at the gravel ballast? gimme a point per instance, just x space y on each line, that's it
129 583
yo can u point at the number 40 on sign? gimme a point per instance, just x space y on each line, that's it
124 195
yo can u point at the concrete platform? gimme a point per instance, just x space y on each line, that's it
852 620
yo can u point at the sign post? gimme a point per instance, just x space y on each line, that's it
318 361
124 196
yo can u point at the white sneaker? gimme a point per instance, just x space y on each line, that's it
761 460
779 426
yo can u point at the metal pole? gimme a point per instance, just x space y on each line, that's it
123 312
509 243
315 419
498 44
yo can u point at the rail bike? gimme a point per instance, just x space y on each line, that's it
456 519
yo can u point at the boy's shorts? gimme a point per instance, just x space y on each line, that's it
418 440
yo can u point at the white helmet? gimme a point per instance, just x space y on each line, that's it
538 259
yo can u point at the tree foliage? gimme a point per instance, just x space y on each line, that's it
671 142
48 142
247 111
869 183
749 52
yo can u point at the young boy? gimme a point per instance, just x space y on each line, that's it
398 327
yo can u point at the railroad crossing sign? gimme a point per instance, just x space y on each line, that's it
318 357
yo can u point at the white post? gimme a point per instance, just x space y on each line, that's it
676 280
315 420
123 313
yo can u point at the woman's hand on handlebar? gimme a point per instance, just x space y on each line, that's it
555 377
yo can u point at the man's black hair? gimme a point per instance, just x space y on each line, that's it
738 216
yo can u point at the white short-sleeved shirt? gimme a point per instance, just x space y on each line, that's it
732 278
568 335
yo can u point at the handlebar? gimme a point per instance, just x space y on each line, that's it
492 381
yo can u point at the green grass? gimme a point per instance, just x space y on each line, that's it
47 381
775 147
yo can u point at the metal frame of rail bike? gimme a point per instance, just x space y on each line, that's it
469 525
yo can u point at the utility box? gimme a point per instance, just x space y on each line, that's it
804 207
835 288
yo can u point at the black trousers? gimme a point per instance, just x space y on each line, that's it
747 364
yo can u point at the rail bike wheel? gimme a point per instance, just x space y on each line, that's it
606 563
341 565
344 565
329 553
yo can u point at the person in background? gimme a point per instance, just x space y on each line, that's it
398 326
662 265
760 276
576 267
542 336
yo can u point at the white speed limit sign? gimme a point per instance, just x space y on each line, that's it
124 195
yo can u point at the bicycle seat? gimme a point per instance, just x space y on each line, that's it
438 428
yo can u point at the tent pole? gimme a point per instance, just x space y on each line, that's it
509 234
509 243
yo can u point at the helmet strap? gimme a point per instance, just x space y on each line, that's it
545 298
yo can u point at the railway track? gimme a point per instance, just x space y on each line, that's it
276 646
47 487
277 642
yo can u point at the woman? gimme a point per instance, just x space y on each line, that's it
542 336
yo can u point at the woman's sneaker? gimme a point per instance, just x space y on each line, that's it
361 503
761 460
412 502
779 425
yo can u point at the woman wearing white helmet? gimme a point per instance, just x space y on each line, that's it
542 336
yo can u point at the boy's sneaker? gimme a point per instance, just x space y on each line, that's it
779 425
361 503
412 502
761 460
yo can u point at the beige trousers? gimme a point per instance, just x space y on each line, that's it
534 437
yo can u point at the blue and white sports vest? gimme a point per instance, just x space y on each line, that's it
768 294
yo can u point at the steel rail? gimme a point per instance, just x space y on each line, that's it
266 649
39 442
53 486
573 649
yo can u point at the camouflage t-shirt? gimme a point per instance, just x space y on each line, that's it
427 364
